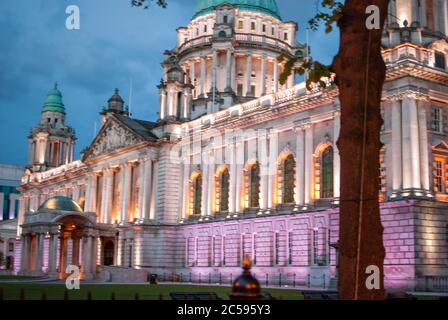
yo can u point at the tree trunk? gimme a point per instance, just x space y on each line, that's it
360 72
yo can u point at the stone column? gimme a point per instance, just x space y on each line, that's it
147 186
309 137
26 252
205 172
233 176
415 11
336 156
52 253
141 192
411 149
396 152
249 92
273 155
185 187
229 71
192 71
265 173
263 74
424 147
211 183
163 104
126 171
202 80
39 252
214 84
300 167
86 256
109 186
63 255
239 175
276 74
94 258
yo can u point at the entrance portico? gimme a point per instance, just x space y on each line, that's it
59 234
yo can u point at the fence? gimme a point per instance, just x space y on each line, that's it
432 284
266 280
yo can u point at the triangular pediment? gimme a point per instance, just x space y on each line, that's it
113 136
441 146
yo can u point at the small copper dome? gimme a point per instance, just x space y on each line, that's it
246 286
61 204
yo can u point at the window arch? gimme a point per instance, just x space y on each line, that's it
196 194
440 171
286 178
327 173
253 185
222 188
289 168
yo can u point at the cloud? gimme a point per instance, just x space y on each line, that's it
116 43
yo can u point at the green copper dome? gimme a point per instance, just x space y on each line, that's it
54 100
61 204
264 6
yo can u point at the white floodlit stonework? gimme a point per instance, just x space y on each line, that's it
238 164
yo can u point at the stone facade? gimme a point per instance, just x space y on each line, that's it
227 172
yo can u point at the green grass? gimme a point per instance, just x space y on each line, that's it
123 292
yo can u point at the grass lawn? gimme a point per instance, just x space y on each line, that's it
123 292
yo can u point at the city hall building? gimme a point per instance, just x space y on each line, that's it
238 164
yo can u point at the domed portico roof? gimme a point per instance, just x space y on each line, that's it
264 6
61 204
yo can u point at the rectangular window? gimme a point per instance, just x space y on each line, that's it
239 89
439 177
252 89
240 24
205 28
440 60
437 122
273 31
286 37
225 19
264 28
290 247
252 26
276 248
315 247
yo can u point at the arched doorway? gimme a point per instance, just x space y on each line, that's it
76 245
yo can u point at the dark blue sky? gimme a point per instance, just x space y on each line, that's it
115 43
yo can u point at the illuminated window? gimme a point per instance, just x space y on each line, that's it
223 187
327 174
289 166
196 186
438 177
254 186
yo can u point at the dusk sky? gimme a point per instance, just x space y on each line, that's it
116 43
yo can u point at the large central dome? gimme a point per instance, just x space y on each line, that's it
264 6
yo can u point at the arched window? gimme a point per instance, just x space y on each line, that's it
289 165
196 194
327 173
222 34
254 186
223 187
